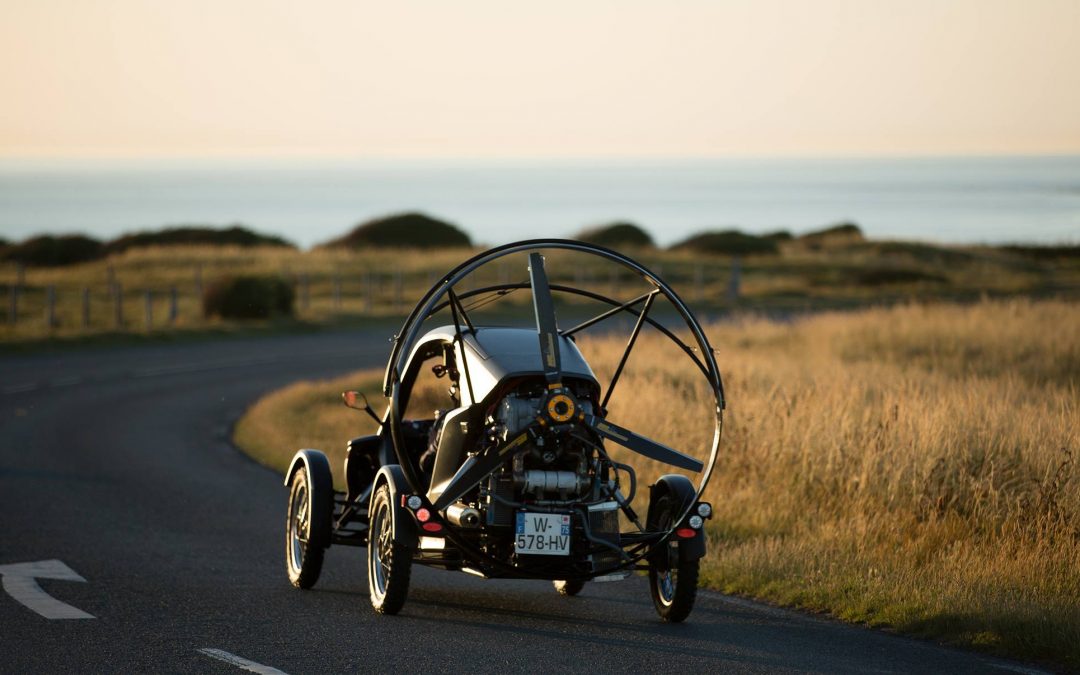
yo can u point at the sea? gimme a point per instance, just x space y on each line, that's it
969 200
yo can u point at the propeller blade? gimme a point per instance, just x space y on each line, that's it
641 445
545 319
476 468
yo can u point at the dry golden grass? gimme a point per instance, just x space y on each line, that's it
912 467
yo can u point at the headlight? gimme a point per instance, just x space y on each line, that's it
704 510
695 522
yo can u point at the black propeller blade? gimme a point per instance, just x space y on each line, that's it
477 468
643 446
545 319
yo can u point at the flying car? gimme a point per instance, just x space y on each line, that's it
516 478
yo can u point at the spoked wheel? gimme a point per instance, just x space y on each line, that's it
572 587
389 564
672 584
303 559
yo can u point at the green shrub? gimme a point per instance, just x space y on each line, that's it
248 297
729 242
616 235
839 234
195 235
51 251
779 235
404 230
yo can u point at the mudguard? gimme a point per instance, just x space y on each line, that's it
405 531
361 464
320 493
684 492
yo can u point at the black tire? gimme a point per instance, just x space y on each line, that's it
389 564
571 587
672 584
303 562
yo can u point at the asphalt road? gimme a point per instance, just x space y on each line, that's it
117 463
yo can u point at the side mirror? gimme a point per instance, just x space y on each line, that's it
357 401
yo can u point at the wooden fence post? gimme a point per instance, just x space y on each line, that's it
85 308
198 282
148 303
118 305
337 292
50 307
735 280
369 291
13 307
174 310
398 288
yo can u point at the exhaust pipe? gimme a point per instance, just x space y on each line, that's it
462 516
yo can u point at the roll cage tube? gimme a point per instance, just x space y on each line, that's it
410 331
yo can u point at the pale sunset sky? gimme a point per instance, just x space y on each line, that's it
498 78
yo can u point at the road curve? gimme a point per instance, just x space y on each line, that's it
117 463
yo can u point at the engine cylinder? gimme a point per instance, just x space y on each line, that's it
538 481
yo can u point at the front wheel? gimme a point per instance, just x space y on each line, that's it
303 559
672 583
389 564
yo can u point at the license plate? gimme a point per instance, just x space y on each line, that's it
542 533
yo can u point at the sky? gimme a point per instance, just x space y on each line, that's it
573 78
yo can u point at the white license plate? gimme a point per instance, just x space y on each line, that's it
542 533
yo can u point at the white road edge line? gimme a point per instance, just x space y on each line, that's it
17 388
240 662
65 382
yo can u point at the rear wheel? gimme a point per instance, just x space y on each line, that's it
672 583
572 587
303 561
389 564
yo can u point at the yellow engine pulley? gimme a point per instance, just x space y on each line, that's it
560 407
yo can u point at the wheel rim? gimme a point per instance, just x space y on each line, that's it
379 553
298 527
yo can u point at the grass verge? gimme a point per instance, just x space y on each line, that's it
911 467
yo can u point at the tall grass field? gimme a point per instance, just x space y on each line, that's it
912 467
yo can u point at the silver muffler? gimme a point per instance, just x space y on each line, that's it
462 515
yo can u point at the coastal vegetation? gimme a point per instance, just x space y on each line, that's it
912 467
156 284
620 234
403 230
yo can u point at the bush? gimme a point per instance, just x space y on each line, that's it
50 251
404 230
248 297
779 235
195 235
839 234
617 234
729 242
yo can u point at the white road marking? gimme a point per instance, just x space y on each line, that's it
1023 670
240 662
16 388
20 582
65 382
202 367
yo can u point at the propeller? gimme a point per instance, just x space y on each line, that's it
477 468
641 445
545 319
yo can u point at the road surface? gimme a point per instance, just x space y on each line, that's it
115 464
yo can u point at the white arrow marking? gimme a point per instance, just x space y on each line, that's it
240 662
20 583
